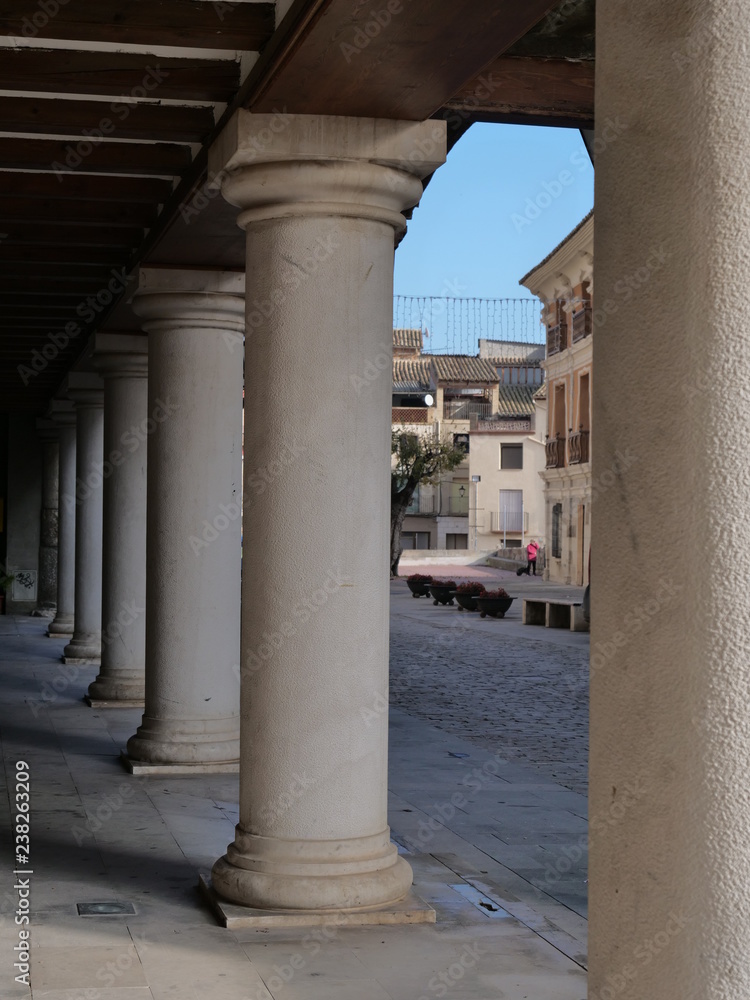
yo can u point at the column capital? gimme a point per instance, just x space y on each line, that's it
279 166
121 355
86 389
47 430
62 412
179 297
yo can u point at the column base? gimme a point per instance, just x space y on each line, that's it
185 742
119 703
140 767
409 910
83 648
272 874
61 625
118 687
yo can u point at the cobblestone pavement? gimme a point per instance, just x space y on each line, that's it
509 688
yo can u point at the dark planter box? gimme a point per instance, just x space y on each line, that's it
495 607
418 589
442 595
467 601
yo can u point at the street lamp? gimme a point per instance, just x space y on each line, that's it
476 480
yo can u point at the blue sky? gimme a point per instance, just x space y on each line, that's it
505 197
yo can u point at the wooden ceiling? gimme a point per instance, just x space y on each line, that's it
108 108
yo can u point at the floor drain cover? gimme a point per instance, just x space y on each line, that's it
100 909
483 903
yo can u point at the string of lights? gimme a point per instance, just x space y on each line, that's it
453 325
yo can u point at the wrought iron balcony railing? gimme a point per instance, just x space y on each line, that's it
578 447
582 323
557 338
555 451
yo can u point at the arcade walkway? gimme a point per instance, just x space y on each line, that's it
101 835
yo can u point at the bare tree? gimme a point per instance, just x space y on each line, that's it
418 459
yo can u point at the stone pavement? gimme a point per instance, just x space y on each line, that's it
496 845
517 690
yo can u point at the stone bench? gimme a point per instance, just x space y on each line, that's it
554 613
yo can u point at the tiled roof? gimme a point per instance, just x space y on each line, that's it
408 338
516 400
517 362
462 368
411 374
541 392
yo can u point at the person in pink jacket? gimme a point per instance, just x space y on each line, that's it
531 550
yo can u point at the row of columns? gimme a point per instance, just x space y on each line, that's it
670 752
321 200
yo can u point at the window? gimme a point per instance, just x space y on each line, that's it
456 541
461 441
511 456
557 531
415 539
510 510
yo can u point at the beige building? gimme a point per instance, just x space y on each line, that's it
486 405
564 282
506 457
440 394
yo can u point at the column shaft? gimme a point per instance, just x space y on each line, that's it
194 525
313 830
670 721
66 548
49 536
85 646
122 360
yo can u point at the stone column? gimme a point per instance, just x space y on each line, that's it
320 201
49 432
670 714
86 392
65 416
195 323
123 362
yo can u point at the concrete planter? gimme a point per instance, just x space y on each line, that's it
442 594
419 588
467 602
495 607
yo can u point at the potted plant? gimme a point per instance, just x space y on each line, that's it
467 593
6 582
419 584
494 603
443 591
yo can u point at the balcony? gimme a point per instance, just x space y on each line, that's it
422 506
557 338
578 447
457 506
582 323
512 521
409 415
465 409
555 451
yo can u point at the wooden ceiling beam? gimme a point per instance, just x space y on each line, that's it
525 90
85 156
151 190
124 75
93 236
63 116
94 256
63 212
405 61
187 23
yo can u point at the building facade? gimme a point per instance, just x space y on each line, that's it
564 283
